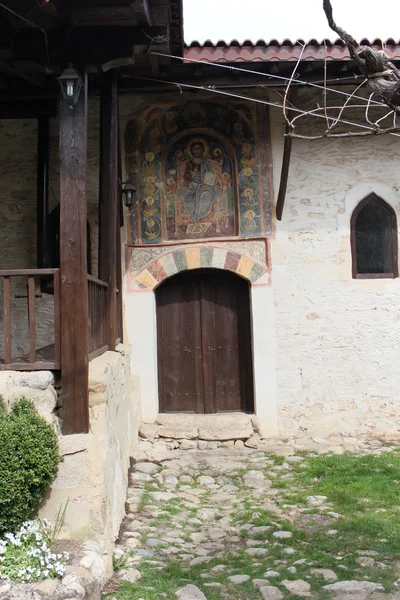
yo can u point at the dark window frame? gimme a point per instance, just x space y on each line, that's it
357 210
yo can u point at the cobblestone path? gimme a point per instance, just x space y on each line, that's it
236 524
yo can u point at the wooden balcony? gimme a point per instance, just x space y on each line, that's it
36 358
47 357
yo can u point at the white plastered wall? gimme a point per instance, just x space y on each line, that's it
337 338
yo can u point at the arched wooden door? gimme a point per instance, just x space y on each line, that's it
204 343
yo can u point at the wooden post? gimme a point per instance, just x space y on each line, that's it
108 214
287 152
73 264
7 320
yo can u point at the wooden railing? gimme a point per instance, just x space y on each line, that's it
98 316
48 356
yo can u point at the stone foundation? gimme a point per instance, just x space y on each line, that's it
235 431
94 471
38 386
93 474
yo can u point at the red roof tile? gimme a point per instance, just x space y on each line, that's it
262 51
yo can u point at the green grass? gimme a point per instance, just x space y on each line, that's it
363 490
145 499
348 479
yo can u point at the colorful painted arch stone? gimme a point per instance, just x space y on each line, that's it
200 257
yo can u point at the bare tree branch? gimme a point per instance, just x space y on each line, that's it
346 37
383 76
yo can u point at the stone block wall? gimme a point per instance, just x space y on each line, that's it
94 471
37 386
18 230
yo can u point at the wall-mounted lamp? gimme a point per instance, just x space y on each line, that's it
70 83
128 192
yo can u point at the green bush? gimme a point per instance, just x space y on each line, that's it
28 463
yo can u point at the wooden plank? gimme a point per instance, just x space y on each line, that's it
97 280
7 320
31 319
108 213
73 264
180 368
226 342
25 366
26 272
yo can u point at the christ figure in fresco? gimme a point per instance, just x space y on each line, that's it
199 180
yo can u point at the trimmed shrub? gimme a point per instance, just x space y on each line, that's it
28 463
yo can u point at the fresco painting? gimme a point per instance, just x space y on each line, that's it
198 189
198 170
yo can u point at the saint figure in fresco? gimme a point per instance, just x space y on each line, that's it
200 181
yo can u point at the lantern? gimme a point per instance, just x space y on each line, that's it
128 192
70 83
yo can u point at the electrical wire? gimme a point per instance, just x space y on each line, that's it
269 75
214 90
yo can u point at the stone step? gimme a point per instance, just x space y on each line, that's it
215 427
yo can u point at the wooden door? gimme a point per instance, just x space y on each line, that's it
204 343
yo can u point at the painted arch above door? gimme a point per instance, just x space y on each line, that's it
197 257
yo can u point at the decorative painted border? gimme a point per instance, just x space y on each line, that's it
198 257
258 126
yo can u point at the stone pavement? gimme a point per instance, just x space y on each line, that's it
201 511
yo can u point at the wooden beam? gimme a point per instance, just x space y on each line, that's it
121 16
108 215
117 63
83 45
142 12
287 151
73 264
36 80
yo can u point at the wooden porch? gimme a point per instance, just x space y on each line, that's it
56 311
86 310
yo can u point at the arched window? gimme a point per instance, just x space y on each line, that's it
374 239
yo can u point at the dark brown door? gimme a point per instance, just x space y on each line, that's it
204 343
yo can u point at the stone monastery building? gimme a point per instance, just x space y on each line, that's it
148 271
